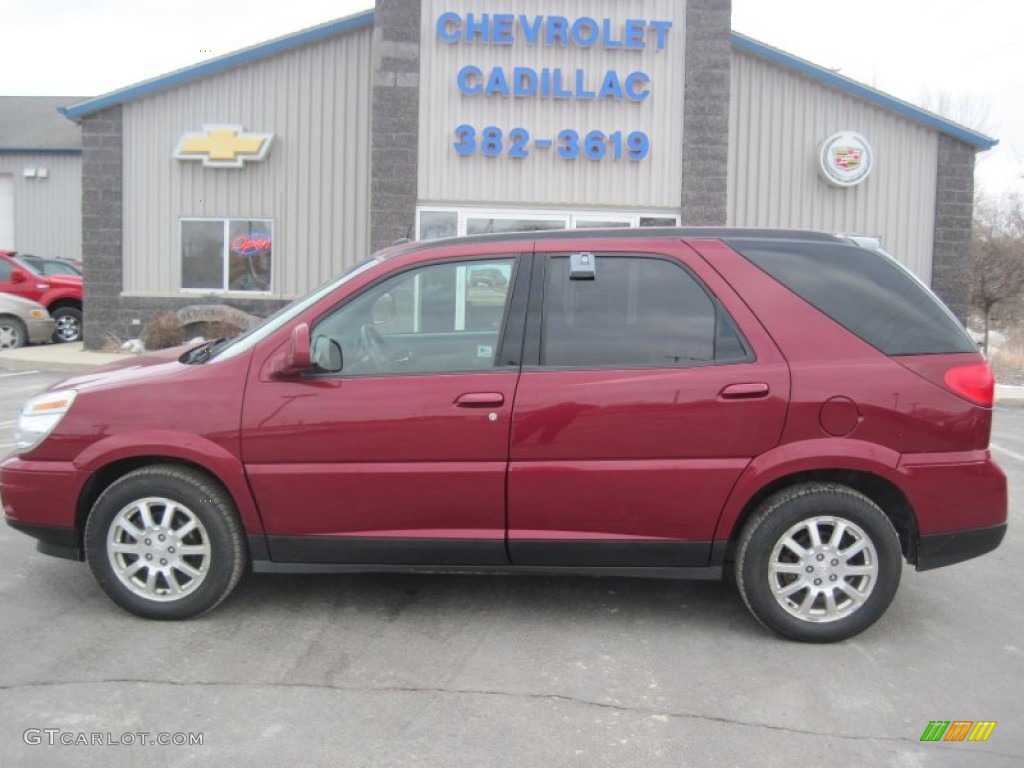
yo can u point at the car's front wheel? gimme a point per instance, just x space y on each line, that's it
164 542
818 562
12 333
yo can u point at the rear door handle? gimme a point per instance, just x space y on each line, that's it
747 391
480 400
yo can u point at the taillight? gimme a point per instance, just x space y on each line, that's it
973 382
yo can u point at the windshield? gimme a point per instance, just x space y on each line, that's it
54 267
226 348
26 265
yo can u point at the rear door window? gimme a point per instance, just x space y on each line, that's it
637 311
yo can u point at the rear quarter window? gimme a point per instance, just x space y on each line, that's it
866 292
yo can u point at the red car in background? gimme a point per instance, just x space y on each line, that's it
60 294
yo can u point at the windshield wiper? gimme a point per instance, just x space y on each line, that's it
204 351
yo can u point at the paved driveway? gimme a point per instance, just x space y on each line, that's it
399 670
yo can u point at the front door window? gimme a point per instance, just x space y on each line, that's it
441 318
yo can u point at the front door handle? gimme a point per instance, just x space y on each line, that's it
748 391
480 400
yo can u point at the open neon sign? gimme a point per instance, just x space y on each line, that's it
250 245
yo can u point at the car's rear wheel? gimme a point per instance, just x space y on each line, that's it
12 333
818 562
164 542
68 324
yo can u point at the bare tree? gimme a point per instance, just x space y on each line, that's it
974 112
997 256
966 108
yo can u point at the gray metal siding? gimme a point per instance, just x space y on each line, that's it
313 184
47 212
543 178
777 124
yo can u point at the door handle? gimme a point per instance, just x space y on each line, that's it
480 400
747 391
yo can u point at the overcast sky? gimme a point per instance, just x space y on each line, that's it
970 50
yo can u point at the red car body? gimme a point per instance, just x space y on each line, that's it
645 470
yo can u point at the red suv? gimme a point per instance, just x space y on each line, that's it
665 403
61 294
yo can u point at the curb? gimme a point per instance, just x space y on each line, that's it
1011 395
55 358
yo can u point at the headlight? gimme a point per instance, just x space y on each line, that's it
40 416
39 314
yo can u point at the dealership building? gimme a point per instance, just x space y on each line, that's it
247 180
40 177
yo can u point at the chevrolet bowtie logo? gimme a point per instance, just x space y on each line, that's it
223 146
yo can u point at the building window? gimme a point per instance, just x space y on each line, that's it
486 225
434 223
602 222
227 254
659 221
437 224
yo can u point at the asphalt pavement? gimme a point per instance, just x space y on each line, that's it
414 670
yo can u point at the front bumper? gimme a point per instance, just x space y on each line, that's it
59 542
40 498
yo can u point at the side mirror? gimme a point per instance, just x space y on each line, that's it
296 357
18 276
326 355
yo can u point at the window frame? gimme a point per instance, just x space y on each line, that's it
538 317
225 288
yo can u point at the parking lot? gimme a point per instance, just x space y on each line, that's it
408 670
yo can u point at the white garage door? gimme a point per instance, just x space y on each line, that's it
6 212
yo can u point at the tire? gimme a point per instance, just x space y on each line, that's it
784 576
191 511
12 333
69 324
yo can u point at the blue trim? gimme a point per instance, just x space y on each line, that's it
40 150
977 140
244 56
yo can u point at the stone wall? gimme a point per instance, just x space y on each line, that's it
954 210
102 222
706 117
395 127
